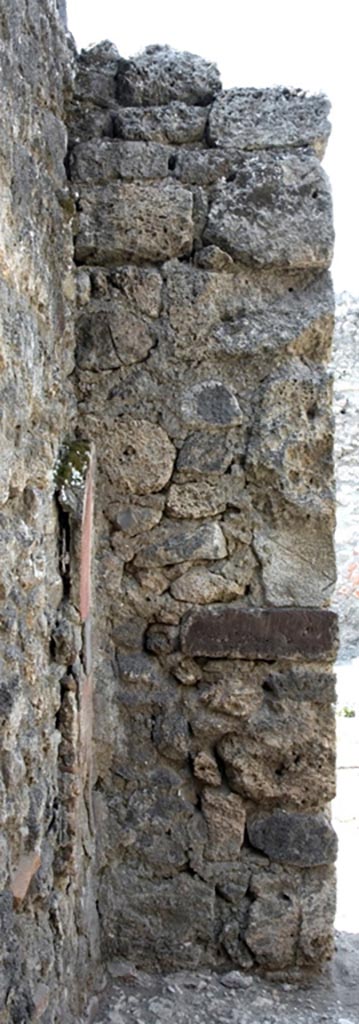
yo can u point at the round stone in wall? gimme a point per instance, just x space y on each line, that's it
211 402
138 456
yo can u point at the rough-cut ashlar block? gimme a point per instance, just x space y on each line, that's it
175 123
161 74
104 160
307 840
297 560
264 633
134 222
269 118
277 212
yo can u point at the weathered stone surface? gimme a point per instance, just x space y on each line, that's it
170 545
200 166
102 160
295 453
212 403
277 212
272 932
267 633
137 455
204 455
270 762
134 222
225 816
302 839
141 287
206 769
298 562
161 74
194 500
175 123
201 587
269 118
157 925
110 336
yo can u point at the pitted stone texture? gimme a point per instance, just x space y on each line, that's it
277 212
269 118
107 160
302 839
134 222
271 762
225 816
294 453
264 633
137 456
175 123
161 74
109 335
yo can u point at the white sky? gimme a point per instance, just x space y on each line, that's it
312 44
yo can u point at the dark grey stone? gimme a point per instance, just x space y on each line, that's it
306 840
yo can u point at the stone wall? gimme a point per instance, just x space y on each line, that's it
205 313
46 913
170 308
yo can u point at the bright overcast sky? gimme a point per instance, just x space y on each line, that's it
312 44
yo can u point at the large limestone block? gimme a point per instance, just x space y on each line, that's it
269 118
276 212
161 74
134 222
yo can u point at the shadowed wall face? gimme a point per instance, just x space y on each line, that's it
204 323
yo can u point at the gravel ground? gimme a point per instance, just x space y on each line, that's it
203 997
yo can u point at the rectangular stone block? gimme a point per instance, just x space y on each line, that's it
276 212
134 222
263 633
267 118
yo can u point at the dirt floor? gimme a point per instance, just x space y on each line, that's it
202 997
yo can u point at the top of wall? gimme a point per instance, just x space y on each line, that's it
244 118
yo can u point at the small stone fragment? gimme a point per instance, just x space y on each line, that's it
206 769
234 979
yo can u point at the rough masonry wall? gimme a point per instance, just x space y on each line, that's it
47 925
205 314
